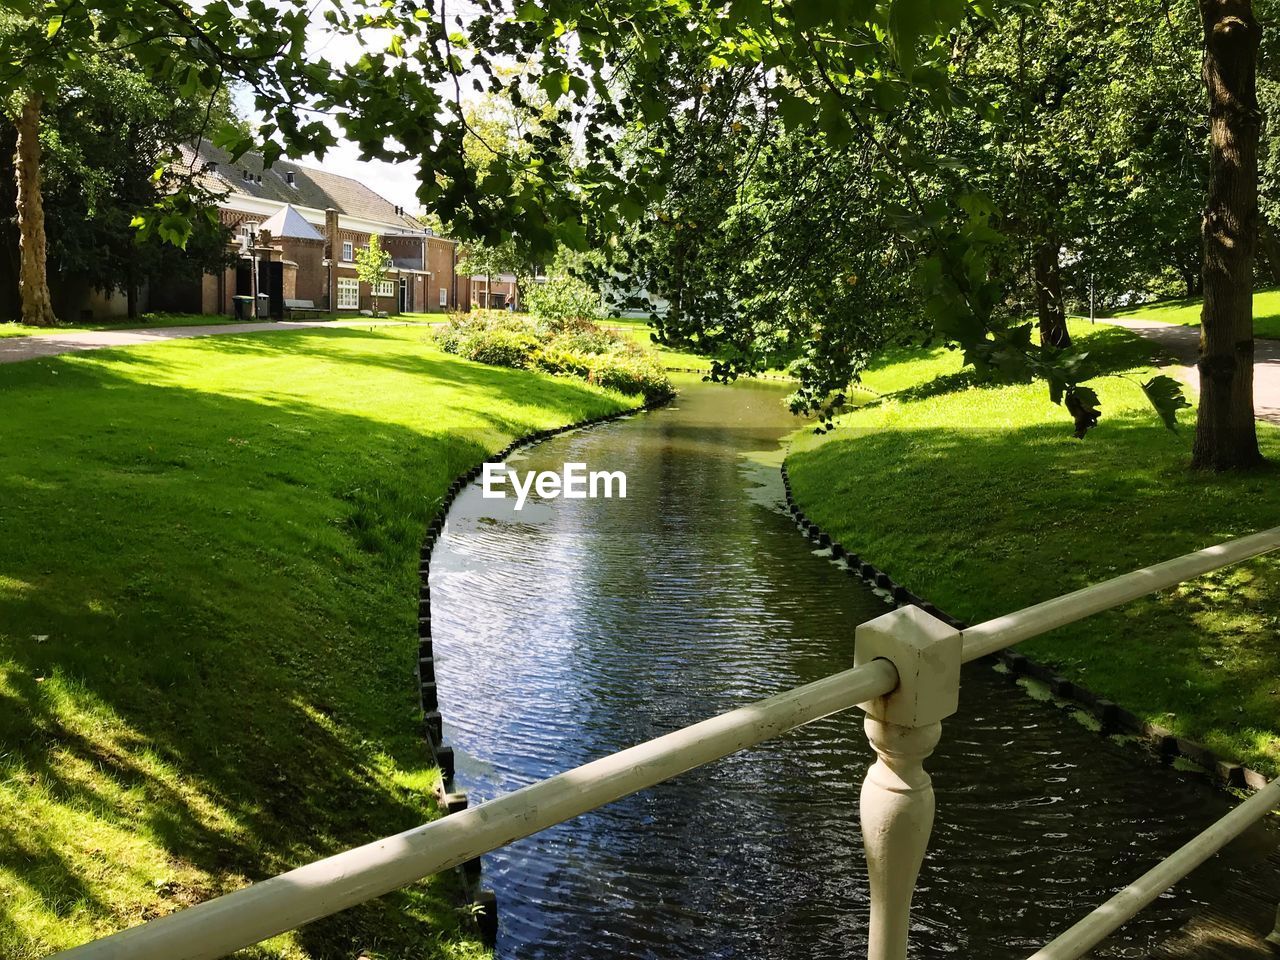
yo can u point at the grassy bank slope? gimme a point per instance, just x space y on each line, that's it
208 554
1266 313
979 499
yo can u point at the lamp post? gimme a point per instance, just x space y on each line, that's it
253 267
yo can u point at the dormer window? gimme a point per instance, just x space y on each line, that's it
246 175
348 251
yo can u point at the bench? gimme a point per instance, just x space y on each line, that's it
301 309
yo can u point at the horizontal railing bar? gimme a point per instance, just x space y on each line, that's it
250 915
994 635
1126 904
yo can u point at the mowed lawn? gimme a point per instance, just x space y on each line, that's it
208 596
1266 313
978 498
11 328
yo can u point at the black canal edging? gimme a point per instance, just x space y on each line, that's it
483 903
1111 717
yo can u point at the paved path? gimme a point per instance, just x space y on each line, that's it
13 349
1183 344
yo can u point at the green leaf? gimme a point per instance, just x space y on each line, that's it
909 20
1165 394
555 84
530 12
797 112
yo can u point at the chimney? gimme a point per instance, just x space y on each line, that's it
331 245
290 178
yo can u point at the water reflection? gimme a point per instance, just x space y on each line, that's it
579 627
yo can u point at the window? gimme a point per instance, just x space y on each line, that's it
348 293
348 251
246 229
444 296
386 288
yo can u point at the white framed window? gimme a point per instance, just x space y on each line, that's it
348 293
386 288
246 229
444 296
348 251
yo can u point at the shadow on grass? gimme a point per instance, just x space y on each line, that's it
1107 351
986 521
207 606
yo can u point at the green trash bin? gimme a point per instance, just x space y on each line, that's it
243 307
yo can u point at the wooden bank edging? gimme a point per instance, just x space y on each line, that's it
484 905
1111 717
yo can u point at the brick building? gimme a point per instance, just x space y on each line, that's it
302 228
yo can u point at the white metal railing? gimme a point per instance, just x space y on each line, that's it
906 679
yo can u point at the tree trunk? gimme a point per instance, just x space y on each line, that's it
1226 435
33 280
1193 282
1049 307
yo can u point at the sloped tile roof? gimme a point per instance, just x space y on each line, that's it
313 188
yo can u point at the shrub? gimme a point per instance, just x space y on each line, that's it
450 338
576 348
500 348
554 358
588 338
562 299
637 372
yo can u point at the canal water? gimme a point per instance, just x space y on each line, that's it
574 628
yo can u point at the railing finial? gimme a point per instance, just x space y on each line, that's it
897 795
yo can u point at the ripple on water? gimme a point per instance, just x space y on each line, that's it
576 628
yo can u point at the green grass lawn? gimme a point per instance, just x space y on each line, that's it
672 357
978 498
1266 313
208 607
14 329
150 320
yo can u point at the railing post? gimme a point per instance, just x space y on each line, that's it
897 795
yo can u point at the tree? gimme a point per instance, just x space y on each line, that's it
33 278
104 139
372 266
869 80
23 102
1226 433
